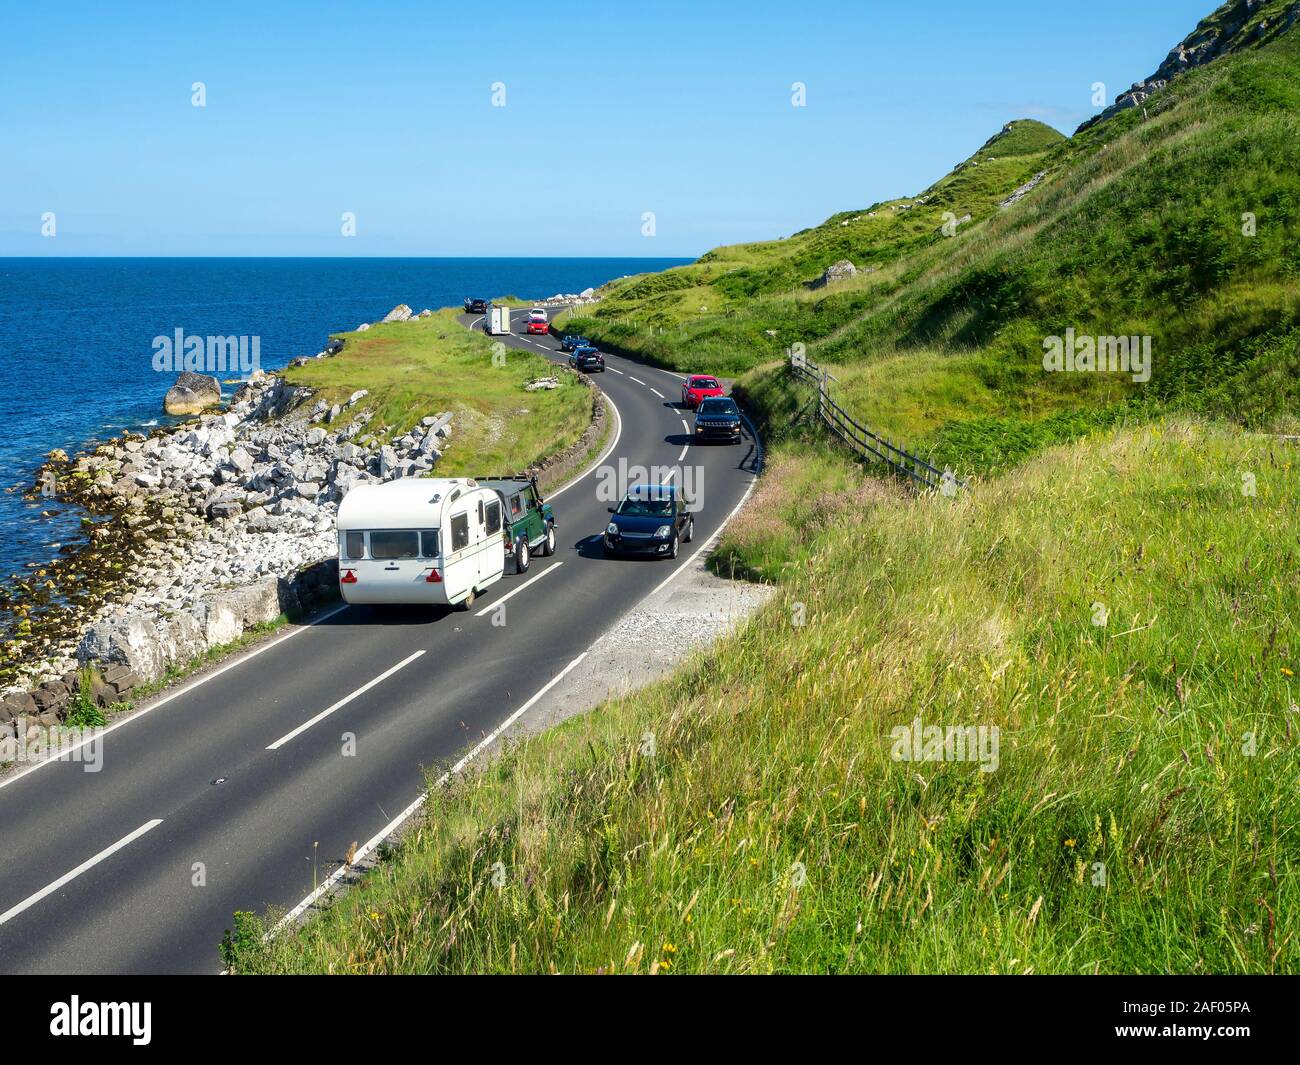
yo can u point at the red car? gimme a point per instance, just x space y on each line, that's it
538 327
698 387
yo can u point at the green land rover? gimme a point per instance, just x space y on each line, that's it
529 526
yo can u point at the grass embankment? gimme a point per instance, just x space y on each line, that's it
417 368
746 814
1179 222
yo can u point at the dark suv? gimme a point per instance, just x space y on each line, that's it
587 359
475 305
653 519
717 418
529 526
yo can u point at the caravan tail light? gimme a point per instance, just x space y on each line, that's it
348 578
432 577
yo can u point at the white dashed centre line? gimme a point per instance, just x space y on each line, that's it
636 379
71 875
657 393
342 702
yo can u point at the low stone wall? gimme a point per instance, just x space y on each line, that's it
132 650
560 466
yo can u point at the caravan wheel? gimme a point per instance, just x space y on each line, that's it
468 601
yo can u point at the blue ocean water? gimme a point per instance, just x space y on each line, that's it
76 340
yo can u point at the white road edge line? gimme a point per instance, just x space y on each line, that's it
343 702
184 690
519 588
393 825
107 852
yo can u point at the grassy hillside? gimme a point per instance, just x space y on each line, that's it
1180 222
432 364
1142 815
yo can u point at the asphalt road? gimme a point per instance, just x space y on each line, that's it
202 806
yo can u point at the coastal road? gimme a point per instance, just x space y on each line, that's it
245 789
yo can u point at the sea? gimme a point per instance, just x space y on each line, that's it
77 341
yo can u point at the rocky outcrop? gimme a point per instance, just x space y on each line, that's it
571 299
192 393
1233 26
840 271
1023 191
400 313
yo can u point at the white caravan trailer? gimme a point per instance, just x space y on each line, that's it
498 320
418 540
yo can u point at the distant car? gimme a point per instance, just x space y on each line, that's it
587 358
538 326
717 418
652 520
698 387
475 305
537 314
529 520
572 343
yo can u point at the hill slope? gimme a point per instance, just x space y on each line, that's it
1178 220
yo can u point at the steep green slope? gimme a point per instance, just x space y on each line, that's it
1178 220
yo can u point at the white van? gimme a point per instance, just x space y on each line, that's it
498 320
417 540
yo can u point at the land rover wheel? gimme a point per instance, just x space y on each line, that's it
690 531
548 548
673 547
521 557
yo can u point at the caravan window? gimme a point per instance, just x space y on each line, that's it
429 543
459 532
494 517
404 543
356 545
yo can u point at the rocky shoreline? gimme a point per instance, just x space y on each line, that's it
201 531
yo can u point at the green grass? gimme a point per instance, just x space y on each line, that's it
417 368
1142 818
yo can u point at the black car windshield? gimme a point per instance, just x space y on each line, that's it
646 508
718 406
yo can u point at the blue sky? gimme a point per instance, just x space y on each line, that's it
612 110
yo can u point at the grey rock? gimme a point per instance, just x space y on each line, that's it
191 394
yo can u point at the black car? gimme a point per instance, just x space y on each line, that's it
474 305
573 343
652 520
717 418
587 358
